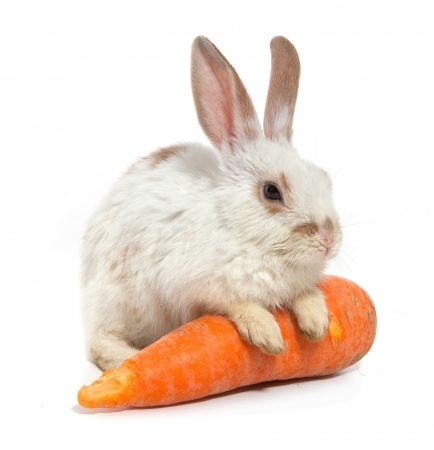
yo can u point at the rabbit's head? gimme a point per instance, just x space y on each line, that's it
270 198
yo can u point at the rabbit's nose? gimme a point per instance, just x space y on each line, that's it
326 233
326 237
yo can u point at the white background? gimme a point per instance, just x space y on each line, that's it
88 86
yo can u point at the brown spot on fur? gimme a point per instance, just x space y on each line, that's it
274 207
284 183
163 154
307 229
157 157
328 224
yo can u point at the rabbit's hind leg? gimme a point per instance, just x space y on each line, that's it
109 349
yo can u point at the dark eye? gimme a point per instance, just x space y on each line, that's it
272 192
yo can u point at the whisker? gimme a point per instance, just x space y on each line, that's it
347 217
343 265
348 255
357 224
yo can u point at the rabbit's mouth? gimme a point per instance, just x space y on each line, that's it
329 252
309 244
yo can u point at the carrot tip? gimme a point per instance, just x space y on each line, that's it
113 388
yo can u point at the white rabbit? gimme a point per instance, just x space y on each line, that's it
239 229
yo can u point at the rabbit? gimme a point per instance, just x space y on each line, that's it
240 229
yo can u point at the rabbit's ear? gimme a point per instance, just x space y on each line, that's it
282 91
223 106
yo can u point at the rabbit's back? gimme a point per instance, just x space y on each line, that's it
146 207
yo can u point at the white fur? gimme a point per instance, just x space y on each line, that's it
189 235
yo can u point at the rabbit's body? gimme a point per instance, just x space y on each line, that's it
188 231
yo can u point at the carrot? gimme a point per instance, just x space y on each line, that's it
207 356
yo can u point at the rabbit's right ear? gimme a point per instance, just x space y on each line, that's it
283 90
223 106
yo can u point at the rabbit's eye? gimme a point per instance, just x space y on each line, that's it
272 192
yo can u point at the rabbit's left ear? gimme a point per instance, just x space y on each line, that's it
223 106
282 91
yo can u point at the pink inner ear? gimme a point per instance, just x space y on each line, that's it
217 91
212 93
223 106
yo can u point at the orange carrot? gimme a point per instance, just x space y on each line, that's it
207 356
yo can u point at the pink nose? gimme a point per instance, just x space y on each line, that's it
326 238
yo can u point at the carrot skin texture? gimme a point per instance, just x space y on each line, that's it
207 356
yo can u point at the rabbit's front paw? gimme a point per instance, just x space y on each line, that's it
312 315
258 326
